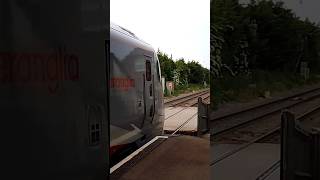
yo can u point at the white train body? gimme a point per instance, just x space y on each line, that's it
136 97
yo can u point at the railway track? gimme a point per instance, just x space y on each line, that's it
308 119
241 127
267 104
304 118
262 124
189 99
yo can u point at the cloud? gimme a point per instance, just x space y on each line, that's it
177 27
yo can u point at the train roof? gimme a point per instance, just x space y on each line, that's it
127 33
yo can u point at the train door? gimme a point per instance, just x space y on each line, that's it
158 89
149 90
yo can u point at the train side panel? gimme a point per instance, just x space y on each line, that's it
136 101
53 88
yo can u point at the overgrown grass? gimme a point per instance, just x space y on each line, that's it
246 88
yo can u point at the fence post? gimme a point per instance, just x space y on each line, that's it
286 133
203 116
315 152
300 148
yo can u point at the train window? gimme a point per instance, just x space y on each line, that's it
94 118
150 89
148 70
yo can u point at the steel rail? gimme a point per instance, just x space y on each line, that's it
264 104
277 110
182 99
270 133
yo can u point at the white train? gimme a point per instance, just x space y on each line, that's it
136 97
65 99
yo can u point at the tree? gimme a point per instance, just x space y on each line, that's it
183 71
262 35
167 65
196 72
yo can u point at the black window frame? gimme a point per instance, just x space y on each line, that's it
148 70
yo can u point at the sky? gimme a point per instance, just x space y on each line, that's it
180 28
305 8
302 8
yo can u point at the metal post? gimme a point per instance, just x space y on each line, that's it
203 110
300 148
286 121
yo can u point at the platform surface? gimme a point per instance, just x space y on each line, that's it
247 164
275 175
218 150
176 116
182 157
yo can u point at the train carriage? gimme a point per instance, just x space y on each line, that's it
136 97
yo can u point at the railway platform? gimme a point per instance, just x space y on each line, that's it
186 117
246 143
182 113
258 161
175 157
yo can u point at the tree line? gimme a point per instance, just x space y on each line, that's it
182 72
260 35
259 48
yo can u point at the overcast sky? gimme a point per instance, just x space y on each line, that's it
305 8
302 8
177 27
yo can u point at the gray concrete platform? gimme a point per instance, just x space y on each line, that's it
218 150
176 116
275 175
182 157
247 164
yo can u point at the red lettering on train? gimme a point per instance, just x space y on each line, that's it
38 69
121 83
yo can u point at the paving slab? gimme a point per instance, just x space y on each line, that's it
176 116
170 111
218 150
247 164
182 157
275 175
